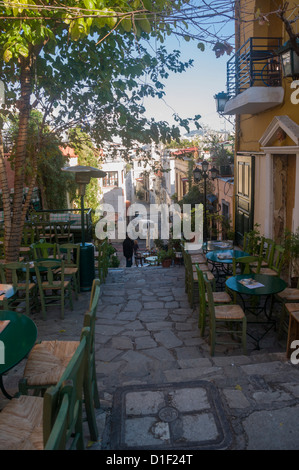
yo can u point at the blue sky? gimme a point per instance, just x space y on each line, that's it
192 92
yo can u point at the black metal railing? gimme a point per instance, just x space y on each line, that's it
255 64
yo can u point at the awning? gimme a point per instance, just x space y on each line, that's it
212 198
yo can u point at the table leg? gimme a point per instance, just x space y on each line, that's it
256 311
3 389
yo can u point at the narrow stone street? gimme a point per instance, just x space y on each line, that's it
159 387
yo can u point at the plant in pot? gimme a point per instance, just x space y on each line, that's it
165 257
291 245
177 248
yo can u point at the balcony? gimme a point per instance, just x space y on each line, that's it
254 77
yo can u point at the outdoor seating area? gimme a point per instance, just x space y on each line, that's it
243 281
59 382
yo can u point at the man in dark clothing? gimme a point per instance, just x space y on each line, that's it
128 246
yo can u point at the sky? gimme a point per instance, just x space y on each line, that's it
192 92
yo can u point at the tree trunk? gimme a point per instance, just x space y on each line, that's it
17 222
5 195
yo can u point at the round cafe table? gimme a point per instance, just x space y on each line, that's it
222 260
16 341
258 288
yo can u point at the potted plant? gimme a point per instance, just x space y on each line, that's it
165 257
291 245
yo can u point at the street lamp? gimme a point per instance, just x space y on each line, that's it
198 175
83 175
221 100
289 60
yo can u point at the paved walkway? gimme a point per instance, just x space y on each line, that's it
160 389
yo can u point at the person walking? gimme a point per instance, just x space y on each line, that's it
128 246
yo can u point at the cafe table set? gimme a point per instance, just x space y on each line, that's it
254 290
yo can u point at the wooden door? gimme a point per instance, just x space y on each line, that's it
244 208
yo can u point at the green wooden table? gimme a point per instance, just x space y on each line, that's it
259 288
16 341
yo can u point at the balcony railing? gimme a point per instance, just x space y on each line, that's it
254 64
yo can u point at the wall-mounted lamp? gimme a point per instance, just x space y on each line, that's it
221 100
289 60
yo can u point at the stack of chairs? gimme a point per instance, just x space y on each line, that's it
191 278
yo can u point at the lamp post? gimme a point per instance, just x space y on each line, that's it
198 175
83 175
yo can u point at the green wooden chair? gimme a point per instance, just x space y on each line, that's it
28 239
18 275
54 421
45 231
191 279
218 297
275 264
62 232
44 250
52 289
48 360
265 254
70 252
230 315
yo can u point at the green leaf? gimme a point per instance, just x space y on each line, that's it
127 24
147 4
7 55
201 46
187 38
22 50
89 4
145 25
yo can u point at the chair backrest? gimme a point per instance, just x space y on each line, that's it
70 253
28 236
90 315
44 250
13 273
61 228
267 250
95 293
279 258
70 384
210 303
244 263
201 288
48 267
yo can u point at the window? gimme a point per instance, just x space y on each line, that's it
111 179
225 209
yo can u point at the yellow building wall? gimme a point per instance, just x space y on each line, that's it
252 127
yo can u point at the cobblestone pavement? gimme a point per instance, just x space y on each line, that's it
159 387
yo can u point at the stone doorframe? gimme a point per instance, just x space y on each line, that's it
280 126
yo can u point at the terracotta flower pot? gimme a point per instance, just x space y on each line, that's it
166 263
